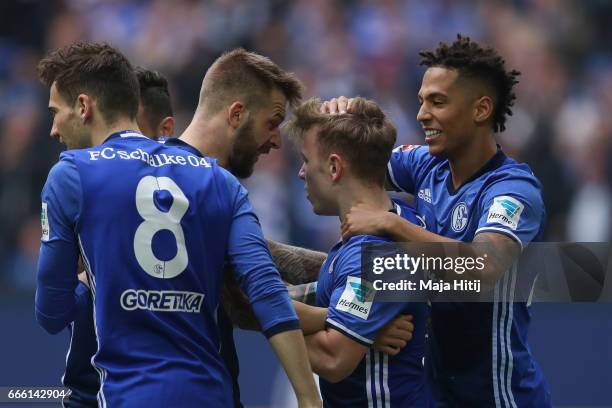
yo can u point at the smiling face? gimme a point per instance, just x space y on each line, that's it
258 135
446 112
67 126
316 175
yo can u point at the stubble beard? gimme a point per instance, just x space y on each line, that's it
243 155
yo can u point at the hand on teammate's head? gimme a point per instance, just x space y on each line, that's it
337 106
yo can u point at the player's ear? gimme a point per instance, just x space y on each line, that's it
236 114
84 107
336 167
483 109
166 127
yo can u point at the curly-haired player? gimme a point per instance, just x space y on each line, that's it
468 190
482 69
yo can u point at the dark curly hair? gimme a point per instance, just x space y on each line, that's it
483 64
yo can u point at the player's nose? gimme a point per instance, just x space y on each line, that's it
54 133
302 172
423 115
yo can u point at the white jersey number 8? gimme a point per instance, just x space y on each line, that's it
156 220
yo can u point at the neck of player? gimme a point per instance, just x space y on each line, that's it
102 131
468 160
374 198
208 135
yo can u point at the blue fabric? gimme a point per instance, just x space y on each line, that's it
398 380
80 376
478 353
136 210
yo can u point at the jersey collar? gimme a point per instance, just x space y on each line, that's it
494 162
175 141
124 133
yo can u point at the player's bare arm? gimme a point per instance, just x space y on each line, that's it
501 250
237 306
362 219
290 348
296 265
390 340
299 267
312 318
333 355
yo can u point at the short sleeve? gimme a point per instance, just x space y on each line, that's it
405 166
513 206
352 309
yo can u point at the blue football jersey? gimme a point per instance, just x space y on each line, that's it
379 380
224 323
154 225
80 375
478 353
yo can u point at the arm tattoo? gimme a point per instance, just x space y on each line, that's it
501 252
296 265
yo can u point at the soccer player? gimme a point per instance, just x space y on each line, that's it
468 190
155 118
344 158
153 225
243 101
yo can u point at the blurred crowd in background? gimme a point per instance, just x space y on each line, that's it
562 122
